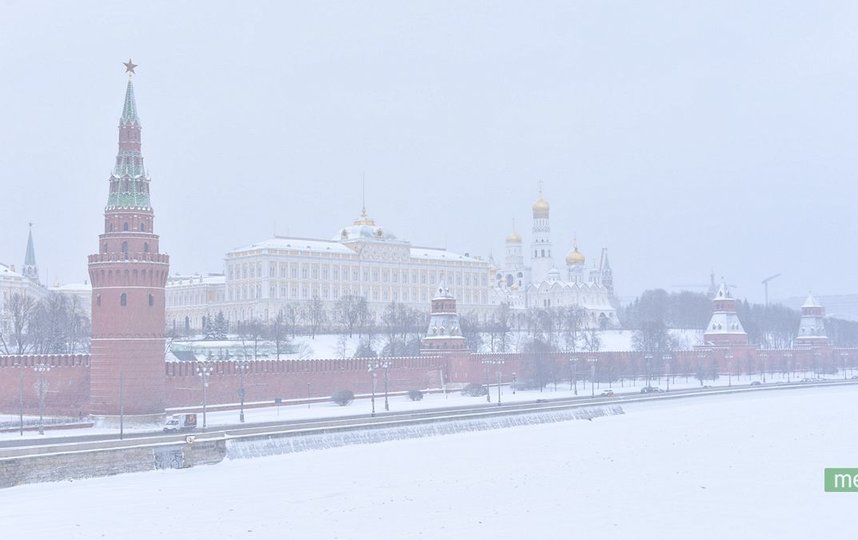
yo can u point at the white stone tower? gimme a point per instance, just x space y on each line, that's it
541 244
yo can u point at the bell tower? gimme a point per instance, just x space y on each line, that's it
128 275
540 246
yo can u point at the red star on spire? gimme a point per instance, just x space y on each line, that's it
129 66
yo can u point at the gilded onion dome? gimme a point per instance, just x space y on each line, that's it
540 207
575 257
513 238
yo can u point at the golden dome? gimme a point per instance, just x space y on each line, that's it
364 219
513 237
540 208
574 257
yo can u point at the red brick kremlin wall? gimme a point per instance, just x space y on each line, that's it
68 379
66 384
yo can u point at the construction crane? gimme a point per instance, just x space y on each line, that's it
766 286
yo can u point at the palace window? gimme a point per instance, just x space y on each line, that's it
123 299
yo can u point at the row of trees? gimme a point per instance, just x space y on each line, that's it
771 326
397 331
56 324
557 329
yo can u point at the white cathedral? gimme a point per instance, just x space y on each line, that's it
543 285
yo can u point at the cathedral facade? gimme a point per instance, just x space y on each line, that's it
541 284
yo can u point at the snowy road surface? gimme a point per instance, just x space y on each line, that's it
739 466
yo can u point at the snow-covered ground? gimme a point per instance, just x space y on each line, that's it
739 466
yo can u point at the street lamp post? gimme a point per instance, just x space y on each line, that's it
729 358
843 356
498 372
485 364
667 371
242 366
788 362
700 358
574 381
386 366
42 369
204 369
647 365
371 367
20 367
121 404
763 358
592 376
513 383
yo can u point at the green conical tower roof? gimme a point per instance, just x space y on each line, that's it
129 183
129 110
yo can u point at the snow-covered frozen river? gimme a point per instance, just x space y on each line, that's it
738 466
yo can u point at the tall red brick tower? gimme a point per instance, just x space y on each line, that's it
128 275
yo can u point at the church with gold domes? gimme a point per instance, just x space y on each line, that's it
541 284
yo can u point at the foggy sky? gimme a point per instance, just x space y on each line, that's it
683 136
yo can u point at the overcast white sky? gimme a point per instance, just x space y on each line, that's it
684 136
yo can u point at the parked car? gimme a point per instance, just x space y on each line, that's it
607 393
181 422
756 383
474 390
651 390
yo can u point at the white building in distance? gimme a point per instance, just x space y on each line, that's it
363 259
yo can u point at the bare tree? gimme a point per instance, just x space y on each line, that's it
19 310
316 315
291 315
342 346
250 332
571 321
365 318
278 332
347 312
592 339
501 326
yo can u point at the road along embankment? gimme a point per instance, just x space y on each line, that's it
208 449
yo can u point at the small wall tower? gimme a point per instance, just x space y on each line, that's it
724 329
811 329
444 332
